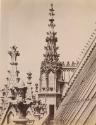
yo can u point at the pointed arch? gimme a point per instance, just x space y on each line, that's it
30 116
59 74
51 80
10 118
43 86
12 113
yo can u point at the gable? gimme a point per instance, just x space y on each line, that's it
9 115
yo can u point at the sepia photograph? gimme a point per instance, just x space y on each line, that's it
47 62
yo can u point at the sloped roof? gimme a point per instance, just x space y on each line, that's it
5 114
80 88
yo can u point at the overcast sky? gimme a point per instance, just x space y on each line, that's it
25 23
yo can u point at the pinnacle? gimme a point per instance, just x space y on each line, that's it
51 54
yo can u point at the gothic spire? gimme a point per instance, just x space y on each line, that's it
51 39
14 72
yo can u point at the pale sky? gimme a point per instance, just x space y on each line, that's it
25 23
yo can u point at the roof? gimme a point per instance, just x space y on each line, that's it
80 89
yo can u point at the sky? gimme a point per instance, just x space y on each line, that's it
25 23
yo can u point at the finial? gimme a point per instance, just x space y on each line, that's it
68 63
29 77
51 13
36 87
14 53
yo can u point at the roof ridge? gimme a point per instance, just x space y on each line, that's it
82 63
79 68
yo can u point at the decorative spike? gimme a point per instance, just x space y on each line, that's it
68 63
87 44
7 79
79 58
92 35
73 63
8 71
90 38
48 33
51 7
83 50
18 79
17 73
63 63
